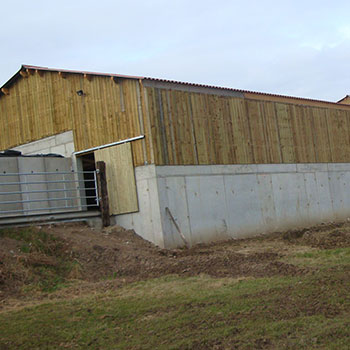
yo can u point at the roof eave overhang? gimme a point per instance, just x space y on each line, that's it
11 81
246 93
26 68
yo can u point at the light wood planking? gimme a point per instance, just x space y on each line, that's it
258 134
41 105
120 178
180 127
212 129
321 136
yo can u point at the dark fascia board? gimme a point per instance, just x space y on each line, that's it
11 81
342 99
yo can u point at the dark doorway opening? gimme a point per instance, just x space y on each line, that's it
88 164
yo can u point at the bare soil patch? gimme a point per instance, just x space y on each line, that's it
115 256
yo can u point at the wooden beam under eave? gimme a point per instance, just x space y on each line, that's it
5 91
88 77
30 71
23 73
115 79
62 75
40 72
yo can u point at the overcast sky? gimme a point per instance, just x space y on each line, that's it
299 48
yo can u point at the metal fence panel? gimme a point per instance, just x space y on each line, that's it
39 192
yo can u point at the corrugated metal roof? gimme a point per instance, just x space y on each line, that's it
25 67
242 91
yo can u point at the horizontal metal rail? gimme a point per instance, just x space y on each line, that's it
44 182
109 145
46 191
46 200
46 209
49 173
73 190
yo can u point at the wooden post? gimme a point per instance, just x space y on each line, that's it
103 192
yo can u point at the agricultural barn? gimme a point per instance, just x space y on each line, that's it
187 163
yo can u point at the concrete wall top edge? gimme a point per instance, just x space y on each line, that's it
193 170
312 167
52 140
62 144
145 172
339 166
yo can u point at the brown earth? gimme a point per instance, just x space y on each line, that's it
114 256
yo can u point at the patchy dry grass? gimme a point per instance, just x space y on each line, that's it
39 261
323 258
310 312
302 304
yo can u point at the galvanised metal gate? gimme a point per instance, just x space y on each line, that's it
47 192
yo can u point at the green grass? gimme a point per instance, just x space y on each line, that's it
33 240
190 313
48 270
322 258
307 311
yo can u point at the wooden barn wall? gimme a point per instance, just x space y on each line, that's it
181 127
47 104
195 128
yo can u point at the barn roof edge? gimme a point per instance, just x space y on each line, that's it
25 67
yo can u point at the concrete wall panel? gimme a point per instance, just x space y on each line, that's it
219 202
8 166
147 222
313 200
207 208
266 202
33 165
39 200
53 165
172 194
326 209
62 144
346 190
243 203
337 183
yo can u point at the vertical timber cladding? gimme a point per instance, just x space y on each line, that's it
190 128
110 110
45 103
120 175
182 126
36 106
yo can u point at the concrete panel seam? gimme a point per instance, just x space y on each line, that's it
187 209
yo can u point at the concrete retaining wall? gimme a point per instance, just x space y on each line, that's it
59 144
223 201
147 222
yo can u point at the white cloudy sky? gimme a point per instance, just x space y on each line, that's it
295 47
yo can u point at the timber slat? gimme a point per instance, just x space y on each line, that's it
180 127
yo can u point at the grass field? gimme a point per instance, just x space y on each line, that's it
309 310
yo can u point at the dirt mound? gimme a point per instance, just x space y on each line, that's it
327 236
46 257
335 238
